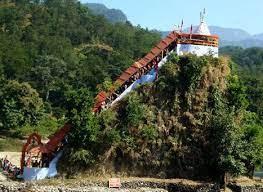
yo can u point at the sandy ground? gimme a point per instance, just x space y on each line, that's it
2 177
13 157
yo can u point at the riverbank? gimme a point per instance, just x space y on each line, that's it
128 185
140 185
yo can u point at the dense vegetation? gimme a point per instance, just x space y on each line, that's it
193 120
58 46
249 66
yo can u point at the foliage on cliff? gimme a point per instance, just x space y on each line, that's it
192 120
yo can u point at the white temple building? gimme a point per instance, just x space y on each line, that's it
194 47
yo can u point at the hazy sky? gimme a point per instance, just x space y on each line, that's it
164 14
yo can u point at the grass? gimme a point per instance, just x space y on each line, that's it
10 144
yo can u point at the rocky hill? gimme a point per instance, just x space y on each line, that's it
164 126
191 120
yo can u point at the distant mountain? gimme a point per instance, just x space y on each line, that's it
258 36
234 37
113 15
246 43
230 34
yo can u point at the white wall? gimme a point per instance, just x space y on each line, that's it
198 50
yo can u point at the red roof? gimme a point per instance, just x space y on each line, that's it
131 70
143 62
197 35
57 138
172 35
101 97
120 81
125 76
169 39
156 51
149 56
54 141
137 65
162 45
38 149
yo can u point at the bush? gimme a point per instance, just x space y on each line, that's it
134 110
149 132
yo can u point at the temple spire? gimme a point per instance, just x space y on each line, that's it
202 29
202 16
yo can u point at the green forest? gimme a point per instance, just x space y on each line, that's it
249 66
48 48
202 115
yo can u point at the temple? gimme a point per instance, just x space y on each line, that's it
200 42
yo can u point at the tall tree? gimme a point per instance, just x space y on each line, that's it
19 104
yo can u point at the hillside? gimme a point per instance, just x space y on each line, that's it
47 53
112 15
191 121
230 34
249 63
247 43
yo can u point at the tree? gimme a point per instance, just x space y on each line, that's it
226 144
235 133
253 135
47 73
19 104
249 64
83 139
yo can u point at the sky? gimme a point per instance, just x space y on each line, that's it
165 14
